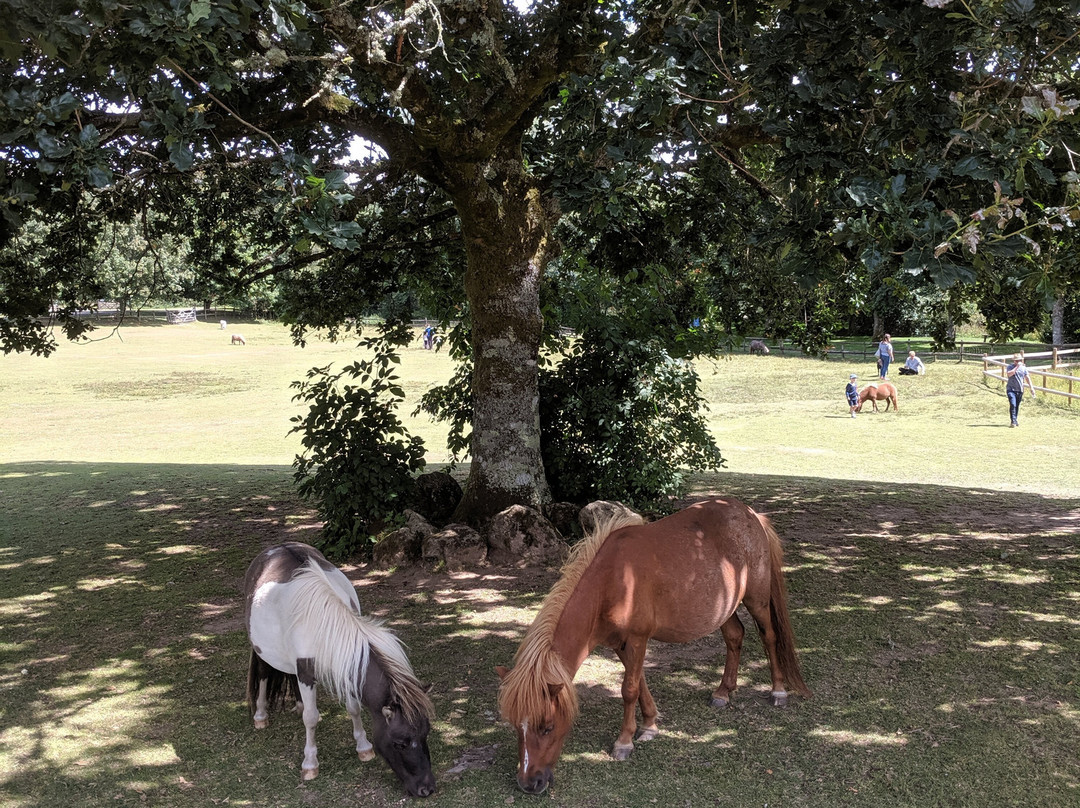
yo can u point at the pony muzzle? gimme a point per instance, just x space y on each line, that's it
537 782
424 788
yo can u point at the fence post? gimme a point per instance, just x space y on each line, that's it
1054 360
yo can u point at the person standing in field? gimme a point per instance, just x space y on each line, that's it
885 354
1017 374
852 393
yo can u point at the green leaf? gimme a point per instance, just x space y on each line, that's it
1020 8
181 155
99 176
200 10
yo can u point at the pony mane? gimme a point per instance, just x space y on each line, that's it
525 690
345 642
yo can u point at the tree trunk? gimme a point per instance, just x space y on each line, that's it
506 226
879 327
1057 321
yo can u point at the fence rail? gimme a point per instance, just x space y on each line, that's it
965 350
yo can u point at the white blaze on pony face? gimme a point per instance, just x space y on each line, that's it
525 746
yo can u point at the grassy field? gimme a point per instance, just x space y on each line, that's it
933 568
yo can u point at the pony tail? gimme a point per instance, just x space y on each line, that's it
781 621
279 685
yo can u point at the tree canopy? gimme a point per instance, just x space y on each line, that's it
721 168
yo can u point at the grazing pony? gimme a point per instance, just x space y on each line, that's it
303 619
759 347
674 580
882 391
238 339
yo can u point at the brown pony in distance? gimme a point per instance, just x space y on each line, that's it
883 391
675 580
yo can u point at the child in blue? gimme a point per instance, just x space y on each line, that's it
852 393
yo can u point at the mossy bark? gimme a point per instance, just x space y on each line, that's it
506 224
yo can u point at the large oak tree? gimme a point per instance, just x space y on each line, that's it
115 104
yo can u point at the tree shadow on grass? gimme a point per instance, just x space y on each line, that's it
937 627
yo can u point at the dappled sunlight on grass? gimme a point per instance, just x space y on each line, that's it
859 739
93 719
946 606
97 584
184 549
936 627
928 574
160 507
1024 646
1044 617
23 607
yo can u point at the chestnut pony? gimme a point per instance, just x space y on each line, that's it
675 580
883 391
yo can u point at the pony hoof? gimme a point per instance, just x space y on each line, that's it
366 755
719 703
778 698
261 723
621 752
648 734
309 774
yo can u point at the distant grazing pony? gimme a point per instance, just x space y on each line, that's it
759 347
883 391
238 339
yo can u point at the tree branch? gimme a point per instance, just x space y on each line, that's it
765 191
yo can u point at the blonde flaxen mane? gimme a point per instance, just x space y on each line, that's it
345 643
526 689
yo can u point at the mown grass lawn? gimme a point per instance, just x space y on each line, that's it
933 568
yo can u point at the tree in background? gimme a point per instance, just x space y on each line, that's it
136 270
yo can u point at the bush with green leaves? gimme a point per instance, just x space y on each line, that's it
358 460
622 421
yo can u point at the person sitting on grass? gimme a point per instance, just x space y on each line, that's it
913 366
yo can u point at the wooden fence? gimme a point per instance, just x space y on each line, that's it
994 367
965 351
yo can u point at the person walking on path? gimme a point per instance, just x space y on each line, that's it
1017 374
852 393
885 354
